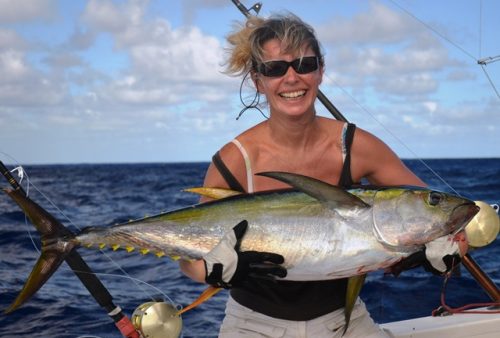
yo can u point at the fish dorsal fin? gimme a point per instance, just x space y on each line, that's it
326 193
214 193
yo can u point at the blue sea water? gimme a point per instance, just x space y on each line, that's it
101 194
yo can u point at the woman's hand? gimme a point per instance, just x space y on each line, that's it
226 266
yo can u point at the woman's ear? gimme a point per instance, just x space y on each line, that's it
256 80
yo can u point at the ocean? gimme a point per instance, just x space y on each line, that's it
103 194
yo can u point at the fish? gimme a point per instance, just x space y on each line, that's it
323 231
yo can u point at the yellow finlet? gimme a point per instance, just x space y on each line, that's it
160 254
215 193
115 247
205 295
102 245
144 251
175 258
129 248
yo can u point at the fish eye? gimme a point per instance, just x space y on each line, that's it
435 198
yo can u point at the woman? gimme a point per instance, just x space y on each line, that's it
283 58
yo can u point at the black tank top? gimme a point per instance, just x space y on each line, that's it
293 300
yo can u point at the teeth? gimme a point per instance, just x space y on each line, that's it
292 95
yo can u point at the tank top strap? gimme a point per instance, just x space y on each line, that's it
226 174
346 140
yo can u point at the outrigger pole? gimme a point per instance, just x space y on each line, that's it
88 277
474 269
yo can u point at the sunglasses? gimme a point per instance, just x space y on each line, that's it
303 65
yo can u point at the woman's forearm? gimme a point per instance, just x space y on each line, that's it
193 269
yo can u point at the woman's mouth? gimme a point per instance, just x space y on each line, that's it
293 95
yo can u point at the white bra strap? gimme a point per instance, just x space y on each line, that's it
248 166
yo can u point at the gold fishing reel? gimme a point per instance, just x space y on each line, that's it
484 227
157 320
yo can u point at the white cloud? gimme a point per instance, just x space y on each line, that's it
9 39
407 84
15 11
379 24
106 15
21 85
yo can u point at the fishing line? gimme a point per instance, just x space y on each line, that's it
444 308
136 280
480 27
393 135
435 31
21 173
483 67
115 263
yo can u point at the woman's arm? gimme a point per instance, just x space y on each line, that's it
373 159
196 269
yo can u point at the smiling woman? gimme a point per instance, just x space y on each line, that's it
285 63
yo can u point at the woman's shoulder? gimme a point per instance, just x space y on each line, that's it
232 152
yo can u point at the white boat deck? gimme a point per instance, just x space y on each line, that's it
456 326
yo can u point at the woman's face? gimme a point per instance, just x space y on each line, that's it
292 94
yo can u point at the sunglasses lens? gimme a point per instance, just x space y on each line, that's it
278 68
273 68
305 65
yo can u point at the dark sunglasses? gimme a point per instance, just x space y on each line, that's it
304 65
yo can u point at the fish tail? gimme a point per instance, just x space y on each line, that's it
56 245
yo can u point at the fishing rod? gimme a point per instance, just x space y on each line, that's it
474 269
87 277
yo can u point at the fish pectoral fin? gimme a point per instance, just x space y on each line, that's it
328 194
354 286
214 193
205 295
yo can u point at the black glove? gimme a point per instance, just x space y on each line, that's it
226 266
438 257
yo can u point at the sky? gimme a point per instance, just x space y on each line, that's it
105 81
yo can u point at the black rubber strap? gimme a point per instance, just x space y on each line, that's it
231 181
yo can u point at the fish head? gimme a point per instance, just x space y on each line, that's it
405 218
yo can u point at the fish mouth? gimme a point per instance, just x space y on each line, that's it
461 216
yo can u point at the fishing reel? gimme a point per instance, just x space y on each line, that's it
157 320
484 227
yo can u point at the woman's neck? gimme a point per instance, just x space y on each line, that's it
297 133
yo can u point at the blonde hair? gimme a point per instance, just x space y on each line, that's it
246 41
